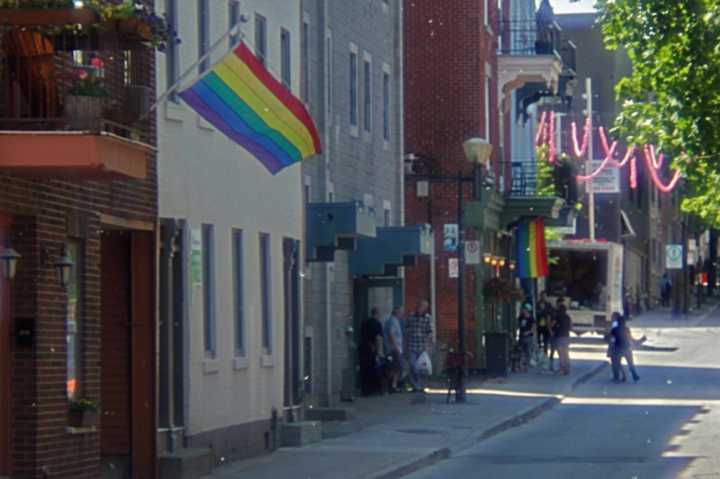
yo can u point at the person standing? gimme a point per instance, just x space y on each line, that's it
554 324
665 290
370 354
562 339
418 330
525 334
393 336
544 314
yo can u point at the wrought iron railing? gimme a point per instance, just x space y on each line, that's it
527 178
528 37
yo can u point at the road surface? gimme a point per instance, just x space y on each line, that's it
665 426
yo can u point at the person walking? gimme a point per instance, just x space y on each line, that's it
526 338
622 348
418 331
562 339
544 315
393 336
370 354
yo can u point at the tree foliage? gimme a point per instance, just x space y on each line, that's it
672 98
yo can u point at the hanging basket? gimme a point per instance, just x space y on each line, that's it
499 290
79 107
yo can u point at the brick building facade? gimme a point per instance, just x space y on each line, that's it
84 190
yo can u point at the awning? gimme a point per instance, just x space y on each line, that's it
333 226
393 247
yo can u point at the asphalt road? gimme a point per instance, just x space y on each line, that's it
665 426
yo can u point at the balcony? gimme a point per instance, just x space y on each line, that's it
72 113
529 52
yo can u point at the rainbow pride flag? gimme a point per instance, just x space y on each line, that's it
239 97
531 252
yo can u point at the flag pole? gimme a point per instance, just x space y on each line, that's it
234 30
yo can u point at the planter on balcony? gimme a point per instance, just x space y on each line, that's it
25 17
79 107
134 29
80 419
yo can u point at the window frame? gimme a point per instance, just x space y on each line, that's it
234 17
261 38
487 96
203 32
367 105
286 58
354 94
387 102
209 291
305 58
265 270
77 276
238 270
172 52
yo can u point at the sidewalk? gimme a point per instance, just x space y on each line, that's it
395 435
664 317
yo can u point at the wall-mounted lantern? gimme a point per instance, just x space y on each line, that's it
64 266
9 259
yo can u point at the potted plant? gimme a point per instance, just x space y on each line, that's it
82 413
20 13
87 95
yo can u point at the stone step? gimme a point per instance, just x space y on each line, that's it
329 414
302 433
190 463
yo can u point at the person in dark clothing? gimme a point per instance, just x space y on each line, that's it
554 324
526 324
622 344
562 339
544 315
370 353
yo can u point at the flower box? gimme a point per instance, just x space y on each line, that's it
79 419
80 107
25 17
134 29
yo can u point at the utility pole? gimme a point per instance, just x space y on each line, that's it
460 396
589 164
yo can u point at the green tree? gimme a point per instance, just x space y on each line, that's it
672 98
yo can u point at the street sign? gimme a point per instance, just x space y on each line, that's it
472 252
673 256
450 237
608 181
453 268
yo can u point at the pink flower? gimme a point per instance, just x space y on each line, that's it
81 74
97 63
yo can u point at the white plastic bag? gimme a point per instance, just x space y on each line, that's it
423 365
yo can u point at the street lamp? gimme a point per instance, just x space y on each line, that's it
64 267
9 260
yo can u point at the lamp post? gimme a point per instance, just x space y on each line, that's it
478 152
9 260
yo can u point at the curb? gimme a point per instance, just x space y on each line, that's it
395 472
517 420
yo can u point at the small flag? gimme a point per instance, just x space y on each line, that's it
531 251
239 97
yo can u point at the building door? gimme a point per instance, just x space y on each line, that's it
127 393
5 358
291 292
115 440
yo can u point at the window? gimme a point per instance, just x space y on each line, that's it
305 59
265 292
386 105
387 217
73 318
307 184
353 88
238 286
233 20
329 74
203 32
208 256
171 53
285 72
367 94
260 38
486 14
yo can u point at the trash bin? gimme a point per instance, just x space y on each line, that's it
497 354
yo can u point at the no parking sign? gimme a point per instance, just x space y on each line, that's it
673 256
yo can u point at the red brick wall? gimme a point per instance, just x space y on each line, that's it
446 48
46 214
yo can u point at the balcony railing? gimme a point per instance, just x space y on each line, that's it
526 38
51 84
526 180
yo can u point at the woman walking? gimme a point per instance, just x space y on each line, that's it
621 343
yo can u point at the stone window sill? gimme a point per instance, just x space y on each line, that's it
267 361
210 366
77 431
241 363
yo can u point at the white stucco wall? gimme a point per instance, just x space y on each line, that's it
207 179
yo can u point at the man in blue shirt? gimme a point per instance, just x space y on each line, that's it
393 336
